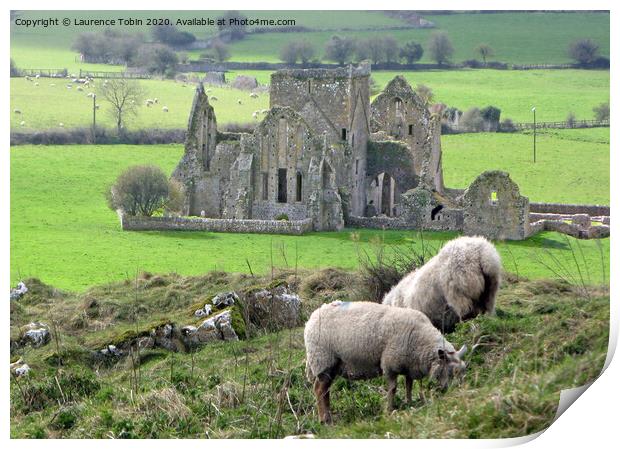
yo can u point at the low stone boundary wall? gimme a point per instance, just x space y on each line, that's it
569 209
297 227
377 222
594 232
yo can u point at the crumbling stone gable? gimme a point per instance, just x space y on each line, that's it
400 113
494 208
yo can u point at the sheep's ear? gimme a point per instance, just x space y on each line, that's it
442 354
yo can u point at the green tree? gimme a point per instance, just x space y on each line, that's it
139 190
339 49
411 52
440 47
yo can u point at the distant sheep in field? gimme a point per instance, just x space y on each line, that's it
264 111
79 88
61 125
213 98
155 100
36 84
96 106
255 115
457 284
28 78
165 108
148 102
37 76
52 84
22 123
239 101
69 86
253 95
363 340
17 111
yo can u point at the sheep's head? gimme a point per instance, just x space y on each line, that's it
448 365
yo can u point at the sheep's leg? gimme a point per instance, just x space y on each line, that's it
421 393
408 387
321 391
391 392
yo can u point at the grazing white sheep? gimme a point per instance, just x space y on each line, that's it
255 115
213 98
22 123
239 101
36 84
17 111
457 284
148 102
96 106
362 340
253 95
52 84
28 78
155 100
165 108
79 88
37 76
264 111
69 86
61 124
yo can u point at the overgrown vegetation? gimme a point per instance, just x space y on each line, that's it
546 336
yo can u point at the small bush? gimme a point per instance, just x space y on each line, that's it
601 112
472 120
139 190
571 120
584 51
282 217
507 126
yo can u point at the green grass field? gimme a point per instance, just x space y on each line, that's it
45 106
572 166
536 38
63 232
51 47
526 38
554 92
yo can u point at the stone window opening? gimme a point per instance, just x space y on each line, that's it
398 104
352 139
282 193
357 166
411 130
344 134
265 177
493 199
309 86
435 213
298 187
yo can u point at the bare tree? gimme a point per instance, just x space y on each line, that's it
339 49
485 51
125 96
584 51
440 47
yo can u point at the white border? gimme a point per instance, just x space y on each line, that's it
590 421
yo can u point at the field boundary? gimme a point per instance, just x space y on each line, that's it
293 227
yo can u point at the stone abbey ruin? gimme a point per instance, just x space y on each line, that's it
324 157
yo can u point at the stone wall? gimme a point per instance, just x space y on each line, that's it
556 208
268 210
494 208
298 227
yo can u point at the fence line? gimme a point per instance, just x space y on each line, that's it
44 73
115 75
564 124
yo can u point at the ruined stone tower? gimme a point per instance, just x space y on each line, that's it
313 157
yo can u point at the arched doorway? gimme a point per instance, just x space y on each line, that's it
381 194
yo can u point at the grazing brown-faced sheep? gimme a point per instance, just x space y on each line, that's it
362 340
457 284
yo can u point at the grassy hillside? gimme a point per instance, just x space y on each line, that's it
567 162
555 94
63 233
525 38
51 47
546 336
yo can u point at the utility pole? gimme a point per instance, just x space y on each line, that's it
94 118
534 111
